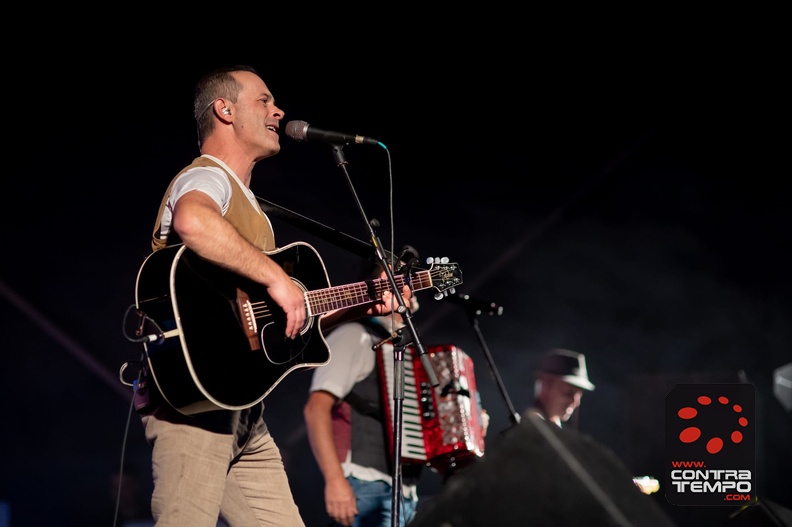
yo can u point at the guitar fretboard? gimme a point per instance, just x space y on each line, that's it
323 300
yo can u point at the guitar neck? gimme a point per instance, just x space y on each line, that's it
321 301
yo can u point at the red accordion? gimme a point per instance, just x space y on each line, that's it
441 426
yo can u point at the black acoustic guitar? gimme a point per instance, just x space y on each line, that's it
221 338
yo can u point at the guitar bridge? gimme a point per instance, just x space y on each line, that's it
248 319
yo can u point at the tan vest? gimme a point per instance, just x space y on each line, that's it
254 227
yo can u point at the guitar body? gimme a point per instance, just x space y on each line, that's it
224 344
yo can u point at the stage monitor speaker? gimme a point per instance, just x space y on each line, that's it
764 514
543 475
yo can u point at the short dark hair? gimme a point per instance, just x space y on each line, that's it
217 83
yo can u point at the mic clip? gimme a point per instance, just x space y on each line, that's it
382 342
396 338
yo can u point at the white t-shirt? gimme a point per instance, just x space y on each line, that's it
209 180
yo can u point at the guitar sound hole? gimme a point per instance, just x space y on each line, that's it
281 350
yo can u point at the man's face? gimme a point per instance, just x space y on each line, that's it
560 399
258 118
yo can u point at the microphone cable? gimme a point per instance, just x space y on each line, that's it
135 385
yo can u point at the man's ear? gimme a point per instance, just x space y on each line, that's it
222 108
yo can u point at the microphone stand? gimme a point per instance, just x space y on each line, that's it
473 312
400 339
407 318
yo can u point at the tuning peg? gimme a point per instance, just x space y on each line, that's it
442 294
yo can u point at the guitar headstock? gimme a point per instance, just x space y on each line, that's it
445 276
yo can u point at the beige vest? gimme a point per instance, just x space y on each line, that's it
254 227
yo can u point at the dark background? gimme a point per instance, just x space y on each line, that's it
620 192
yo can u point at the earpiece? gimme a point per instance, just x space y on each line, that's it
226 111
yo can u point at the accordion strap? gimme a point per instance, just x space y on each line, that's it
364 407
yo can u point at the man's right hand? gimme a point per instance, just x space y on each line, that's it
291 299
200 224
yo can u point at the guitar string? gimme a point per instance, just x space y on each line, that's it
327 299
380 285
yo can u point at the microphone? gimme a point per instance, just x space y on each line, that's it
475 305
302 131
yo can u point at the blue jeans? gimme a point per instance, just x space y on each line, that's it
374 504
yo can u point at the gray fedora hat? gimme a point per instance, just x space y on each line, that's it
569 366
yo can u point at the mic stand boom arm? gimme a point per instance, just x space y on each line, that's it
474 307
406 314
514 416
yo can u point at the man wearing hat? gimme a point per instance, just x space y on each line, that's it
560 382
